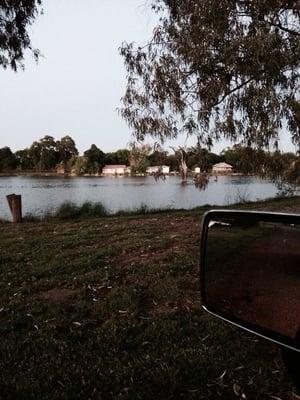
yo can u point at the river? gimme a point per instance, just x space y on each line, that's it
45 194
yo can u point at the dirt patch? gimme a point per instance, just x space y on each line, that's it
57 295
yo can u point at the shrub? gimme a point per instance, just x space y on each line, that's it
69 210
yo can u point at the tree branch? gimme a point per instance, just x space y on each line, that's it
283 28
238 87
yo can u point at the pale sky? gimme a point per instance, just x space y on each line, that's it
76 87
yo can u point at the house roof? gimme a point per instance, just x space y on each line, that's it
223 165
114 166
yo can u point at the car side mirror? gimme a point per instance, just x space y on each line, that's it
250 272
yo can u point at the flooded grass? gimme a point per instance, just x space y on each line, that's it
106 308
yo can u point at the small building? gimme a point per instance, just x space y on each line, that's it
164 169
222 168
113 169
197 170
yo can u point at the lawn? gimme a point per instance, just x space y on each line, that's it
108 308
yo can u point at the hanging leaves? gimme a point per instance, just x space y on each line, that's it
216 69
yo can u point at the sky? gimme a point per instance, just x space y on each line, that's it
75 88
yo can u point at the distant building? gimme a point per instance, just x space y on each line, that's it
114 169
197 170
222 168
164 169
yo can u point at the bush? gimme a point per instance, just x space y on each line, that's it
70 210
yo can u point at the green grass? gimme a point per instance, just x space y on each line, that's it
108 308
86 210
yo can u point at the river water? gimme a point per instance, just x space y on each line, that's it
45 194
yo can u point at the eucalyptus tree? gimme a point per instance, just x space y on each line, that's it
95 159
81 166
24 160
172 162
216 69
44 153
181 155
158 157
284 169
198 156
138 157
120 156
8 160
15 19
67 150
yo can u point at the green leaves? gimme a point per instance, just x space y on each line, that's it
15 18
216 69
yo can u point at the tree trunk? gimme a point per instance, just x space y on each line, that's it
183 171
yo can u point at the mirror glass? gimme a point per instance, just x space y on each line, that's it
252 272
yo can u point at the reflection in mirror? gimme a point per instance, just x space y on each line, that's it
252 272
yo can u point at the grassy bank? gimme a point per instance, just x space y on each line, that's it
108 308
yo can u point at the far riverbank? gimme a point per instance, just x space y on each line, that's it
70 175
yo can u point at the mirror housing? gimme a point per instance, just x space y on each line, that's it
250 272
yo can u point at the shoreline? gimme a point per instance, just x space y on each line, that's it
69 211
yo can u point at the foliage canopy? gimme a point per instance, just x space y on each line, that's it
217 69
15 18
8 160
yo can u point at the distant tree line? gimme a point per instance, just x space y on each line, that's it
50 155
43 155
283 168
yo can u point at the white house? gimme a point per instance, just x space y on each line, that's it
164 169
197 170
222 168
114 169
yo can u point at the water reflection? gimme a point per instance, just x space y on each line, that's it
201 181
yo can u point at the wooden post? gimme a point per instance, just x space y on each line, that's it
9 200
15 205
